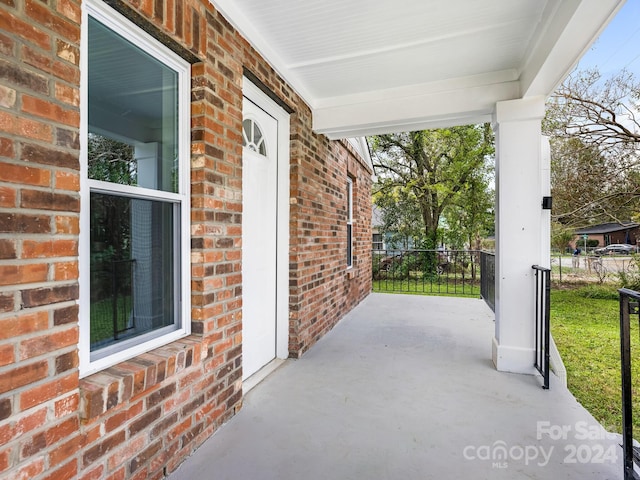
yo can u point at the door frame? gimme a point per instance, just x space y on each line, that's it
257 96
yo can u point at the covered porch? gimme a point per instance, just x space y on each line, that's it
369 68
404 387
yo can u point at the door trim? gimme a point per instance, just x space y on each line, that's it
257 96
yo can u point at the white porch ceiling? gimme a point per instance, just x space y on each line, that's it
373 66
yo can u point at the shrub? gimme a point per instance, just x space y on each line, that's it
630 277
379 267
412 261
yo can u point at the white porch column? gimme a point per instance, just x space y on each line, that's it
521 180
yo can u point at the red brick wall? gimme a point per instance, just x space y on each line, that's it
322 290
39 207
621 236
141 418
614 237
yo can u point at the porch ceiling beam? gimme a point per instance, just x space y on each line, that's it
398 111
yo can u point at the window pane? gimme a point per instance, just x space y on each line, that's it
349 200
252 137
133 101
349 245
111 161
247 135
133 275
257 134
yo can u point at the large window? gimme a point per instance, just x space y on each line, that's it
135 195
349 222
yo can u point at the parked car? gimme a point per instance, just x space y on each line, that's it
622 248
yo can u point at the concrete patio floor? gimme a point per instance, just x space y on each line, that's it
404 388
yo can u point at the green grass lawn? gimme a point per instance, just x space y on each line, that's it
454 283
587 333
450 287
102 318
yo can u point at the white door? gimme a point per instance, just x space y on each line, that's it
259 237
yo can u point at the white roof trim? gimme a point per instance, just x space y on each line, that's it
360 145
574 28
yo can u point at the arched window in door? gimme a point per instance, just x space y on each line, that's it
252 137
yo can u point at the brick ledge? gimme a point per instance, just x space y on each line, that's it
105 390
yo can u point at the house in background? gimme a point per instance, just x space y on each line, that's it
382 240
608 233
179 206
378 238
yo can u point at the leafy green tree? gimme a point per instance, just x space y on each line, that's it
434 167
401 218
560 236
472 215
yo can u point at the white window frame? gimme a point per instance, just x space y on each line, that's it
92 363
349 222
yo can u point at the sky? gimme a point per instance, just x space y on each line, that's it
618 46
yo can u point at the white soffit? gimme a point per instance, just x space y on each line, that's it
373 66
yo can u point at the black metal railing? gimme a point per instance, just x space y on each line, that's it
629 305
488 279
438 272
543 335
122 301
112 310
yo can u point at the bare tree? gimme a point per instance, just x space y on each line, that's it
595 139
601 112
590 187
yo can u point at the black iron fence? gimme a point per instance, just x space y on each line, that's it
629 305
488 279
112 303
438 272
543 336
